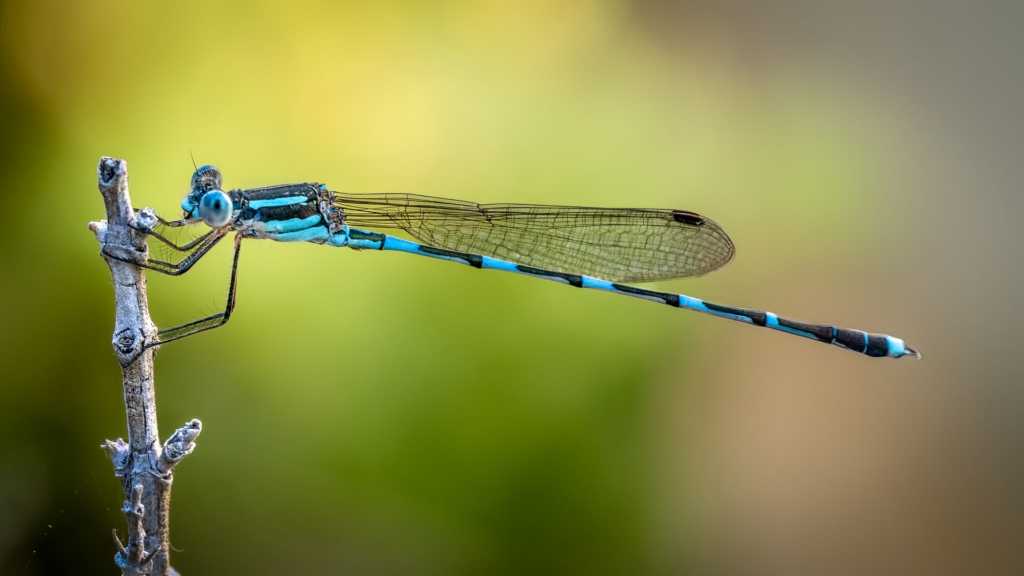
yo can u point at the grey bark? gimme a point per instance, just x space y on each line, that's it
144 466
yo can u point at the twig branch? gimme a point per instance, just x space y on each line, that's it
144 466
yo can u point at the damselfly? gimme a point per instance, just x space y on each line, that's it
597 248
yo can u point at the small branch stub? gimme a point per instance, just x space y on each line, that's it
179 445
134 561
118 452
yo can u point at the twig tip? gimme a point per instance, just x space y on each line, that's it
109 169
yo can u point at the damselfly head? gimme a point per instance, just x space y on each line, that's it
204 179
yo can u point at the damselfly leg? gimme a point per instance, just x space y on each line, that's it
213 321
153 233
170 244
202 324
189 247
194 252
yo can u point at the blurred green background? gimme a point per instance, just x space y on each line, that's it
370 413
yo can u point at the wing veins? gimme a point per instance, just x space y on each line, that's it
617 244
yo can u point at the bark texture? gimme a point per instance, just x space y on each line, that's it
144 466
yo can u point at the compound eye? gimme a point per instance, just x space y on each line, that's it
215 208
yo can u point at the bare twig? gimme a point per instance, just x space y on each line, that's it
144 466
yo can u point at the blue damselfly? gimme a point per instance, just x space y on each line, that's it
598 248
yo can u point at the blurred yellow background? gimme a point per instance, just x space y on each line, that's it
372 413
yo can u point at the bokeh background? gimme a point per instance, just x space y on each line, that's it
379 414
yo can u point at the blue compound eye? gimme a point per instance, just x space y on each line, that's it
215 208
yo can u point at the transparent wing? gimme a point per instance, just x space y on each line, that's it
616 244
